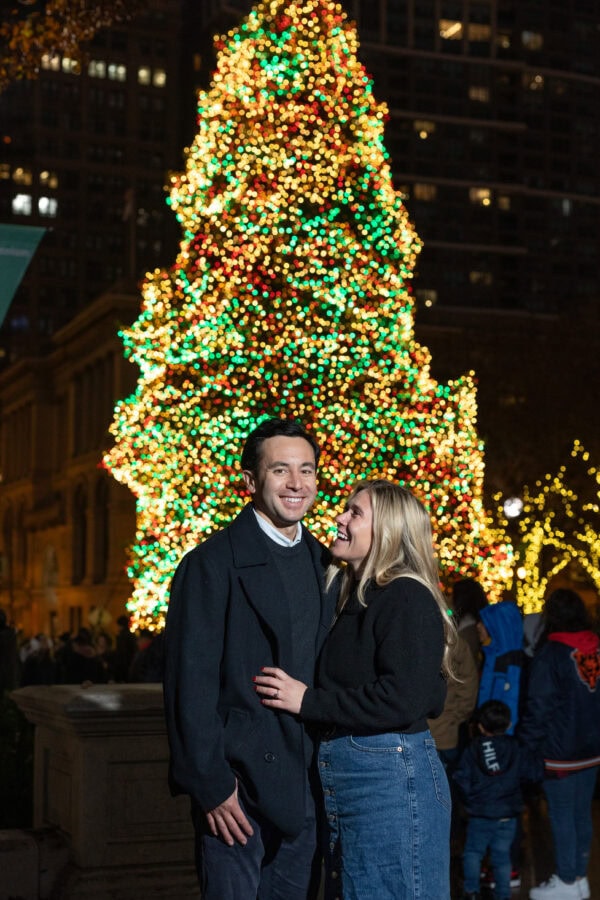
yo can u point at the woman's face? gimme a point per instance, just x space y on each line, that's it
355 531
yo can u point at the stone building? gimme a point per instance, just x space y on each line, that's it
64 522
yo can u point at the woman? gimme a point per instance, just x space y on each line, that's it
380 676
562 723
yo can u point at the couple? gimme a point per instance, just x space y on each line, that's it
262 737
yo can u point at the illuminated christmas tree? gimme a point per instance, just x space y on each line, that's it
289 297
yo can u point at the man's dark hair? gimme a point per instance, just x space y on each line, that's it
494 716
273 428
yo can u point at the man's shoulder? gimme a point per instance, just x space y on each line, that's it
216 544
244 521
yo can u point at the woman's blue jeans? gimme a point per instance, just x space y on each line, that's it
387 804
497 834
570 811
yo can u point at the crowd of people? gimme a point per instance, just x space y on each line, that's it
85 657
537 722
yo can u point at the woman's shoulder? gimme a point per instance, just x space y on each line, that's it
407 585
404 589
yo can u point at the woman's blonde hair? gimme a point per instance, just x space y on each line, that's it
402 545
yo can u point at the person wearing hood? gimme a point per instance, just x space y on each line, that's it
500 628
489 777
561 723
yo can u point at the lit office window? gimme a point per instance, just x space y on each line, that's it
477 32
479 93
482 278
48 206
503 202
424 128
159 78
424 192
566 206
22 176
4 171
480 196
97 68
533 40
49 179
503 40
533 80
50 61
144 75
21 205
451 29
427 298
117 72
71 66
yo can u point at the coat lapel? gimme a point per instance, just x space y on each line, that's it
264 588
261 583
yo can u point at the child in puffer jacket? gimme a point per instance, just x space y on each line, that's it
489 776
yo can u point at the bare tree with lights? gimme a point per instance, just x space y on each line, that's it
557 532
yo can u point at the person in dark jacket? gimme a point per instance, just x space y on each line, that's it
9 656
81 662
489 777
105 656
253 592
38 666
561 723
125 649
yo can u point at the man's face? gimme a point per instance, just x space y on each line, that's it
285 485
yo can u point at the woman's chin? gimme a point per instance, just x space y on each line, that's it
337 549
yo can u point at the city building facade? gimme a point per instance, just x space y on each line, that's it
85 151
65 523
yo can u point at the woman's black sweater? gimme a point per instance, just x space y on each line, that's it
380 668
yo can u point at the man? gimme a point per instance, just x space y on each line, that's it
251 595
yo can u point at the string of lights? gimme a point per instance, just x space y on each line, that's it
34 29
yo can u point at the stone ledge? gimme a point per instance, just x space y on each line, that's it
89 709
100 779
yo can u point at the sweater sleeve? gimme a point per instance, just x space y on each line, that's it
407 685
